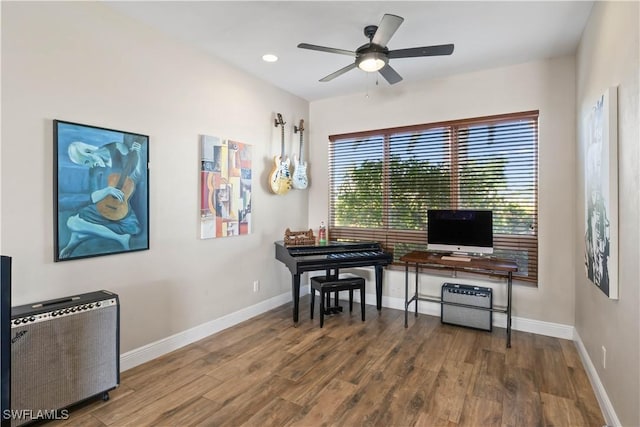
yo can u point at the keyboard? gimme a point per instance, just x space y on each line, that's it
455 258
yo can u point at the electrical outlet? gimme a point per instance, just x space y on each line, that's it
604 357
256 285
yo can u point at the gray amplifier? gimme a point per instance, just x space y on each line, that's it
62 352
471 296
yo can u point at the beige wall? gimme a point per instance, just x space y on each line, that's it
81 62
608 55
547 86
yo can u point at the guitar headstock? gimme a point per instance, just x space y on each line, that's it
279 121
299 128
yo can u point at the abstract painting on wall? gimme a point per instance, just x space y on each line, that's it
101 186
225 188
601 194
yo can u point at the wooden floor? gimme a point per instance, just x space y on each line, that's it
265 372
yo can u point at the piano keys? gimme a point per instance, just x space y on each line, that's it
333 256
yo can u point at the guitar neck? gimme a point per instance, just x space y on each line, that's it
301 146
282 142
301 129
280 122
132 160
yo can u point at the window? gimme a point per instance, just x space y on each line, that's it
383 182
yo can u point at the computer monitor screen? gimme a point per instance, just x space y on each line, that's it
460 231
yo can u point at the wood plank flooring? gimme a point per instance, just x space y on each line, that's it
265 372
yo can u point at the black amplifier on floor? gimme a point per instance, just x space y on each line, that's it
63 351
471 296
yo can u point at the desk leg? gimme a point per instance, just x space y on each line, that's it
509 283
379 287
406 294
295 290
416 291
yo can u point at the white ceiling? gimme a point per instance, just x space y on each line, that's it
485 34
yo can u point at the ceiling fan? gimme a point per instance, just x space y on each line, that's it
374 56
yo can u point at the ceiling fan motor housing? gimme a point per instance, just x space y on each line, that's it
370 30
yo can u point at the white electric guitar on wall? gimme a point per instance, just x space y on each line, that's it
300 180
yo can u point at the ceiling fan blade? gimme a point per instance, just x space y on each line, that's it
390 74
338 73
442 49
387 28
326 49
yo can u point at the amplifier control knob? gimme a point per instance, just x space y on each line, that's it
25 320
16 322
98 304
32 318
90 305
54 314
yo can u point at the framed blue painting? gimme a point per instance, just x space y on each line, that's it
101 191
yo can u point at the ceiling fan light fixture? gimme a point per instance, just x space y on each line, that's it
371 62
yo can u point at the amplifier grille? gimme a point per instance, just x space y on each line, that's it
467 316
60 357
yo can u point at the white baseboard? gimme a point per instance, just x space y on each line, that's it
156 349
539 327
601 394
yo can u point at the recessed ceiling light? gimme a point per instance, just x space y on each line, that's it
269 57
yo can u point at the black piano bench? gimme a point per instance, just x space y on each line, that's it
344 282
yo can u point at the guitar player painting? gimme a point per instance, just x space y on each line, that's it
101 182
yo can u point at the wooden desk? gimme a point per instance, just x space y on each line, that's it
479 265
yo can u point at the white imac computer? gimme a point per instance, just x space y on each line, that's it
461 232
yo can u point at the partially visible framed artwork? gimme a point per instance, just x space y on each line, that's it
225 188
101 191
601 194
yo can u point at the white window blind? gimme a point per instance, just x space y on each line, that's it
382 183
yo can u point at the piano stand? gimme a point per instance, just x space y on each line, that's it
332 310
